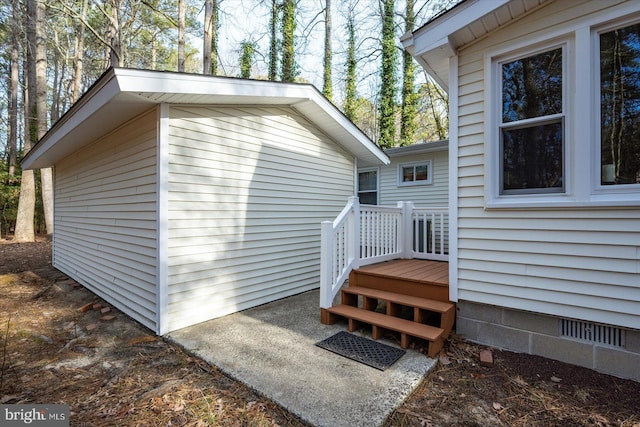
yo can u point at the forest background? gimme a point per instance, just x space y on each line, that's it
349 49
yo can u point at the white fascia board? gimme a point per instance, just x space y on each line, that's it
320 110
431 44
104 91
303 98
424 147
121 94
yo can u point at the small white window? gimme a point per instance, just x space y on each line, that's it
418 173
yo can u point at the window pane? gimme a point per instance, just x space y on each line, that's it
407 174
370 198
532 157
367 181
421 173
532 87
620 106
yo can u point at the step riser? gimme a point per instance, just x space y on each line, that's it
400 286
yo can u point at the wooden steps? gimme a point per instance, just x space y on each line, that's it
379 322
360 302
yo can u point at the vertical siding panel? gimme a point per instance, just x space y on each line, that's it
248 189
105 226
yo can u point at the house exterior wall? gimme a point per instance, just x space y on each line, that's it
105 218
248 188
580 262
435 194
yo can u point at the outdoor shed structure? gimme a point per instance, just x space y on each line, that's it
180 198
544 166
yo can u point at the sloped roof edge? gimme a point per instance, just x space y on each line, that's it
438 40
121 94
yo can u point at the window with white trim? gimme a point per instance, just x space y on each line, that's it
368 186
619 95
531 124
418 173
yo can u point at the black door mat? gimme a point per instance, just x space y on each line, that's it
363 350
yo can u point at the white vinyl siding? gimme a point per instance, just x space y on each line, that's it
248 189
435 194
579 263
105 218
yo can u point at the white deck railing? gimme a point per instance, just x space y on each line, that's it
366 234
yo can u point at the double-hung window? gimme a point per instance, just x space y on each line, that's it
531 124
619 87
368 186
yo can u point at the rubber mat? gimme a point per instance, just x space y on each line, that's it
363 350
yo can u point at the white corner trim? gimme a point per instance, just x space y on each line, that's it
162 210
453 179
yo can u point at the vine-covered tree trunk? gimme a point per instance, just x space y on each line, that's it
273 42
350 83
408 125
388 77
327 87
246 59
288 48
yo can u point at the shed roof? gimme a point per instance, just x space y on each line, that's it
435 42
120 94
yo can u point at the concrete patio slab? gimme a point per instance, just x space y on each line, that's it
272 349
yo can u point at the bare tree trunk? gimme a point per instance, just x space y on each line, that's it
78 52
25 231
181 25
208 30
46 175
115 42
13 91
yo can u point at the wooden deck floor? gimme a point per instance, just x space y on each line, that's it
419 270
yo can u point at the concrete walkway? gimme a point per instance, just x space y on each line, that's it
272 349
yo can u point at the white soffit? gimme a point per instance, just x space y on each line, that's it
121 94
434 43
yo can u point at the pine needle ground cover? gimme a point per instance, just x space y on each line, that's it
59 343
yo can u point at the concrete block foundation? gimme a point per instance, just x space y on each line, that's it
540 334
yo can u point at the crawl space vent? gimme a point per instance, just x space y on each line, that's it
593 333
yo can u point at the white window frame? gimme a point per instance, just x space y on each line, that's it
428 181
377 190
620 194
493 146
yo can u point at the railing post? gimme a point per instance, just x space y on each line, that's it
406 229
326 264
354 235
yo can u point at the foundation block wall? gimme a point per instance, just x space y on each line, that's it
540 334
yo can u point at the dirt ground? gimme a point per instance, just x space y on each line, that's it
59 343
